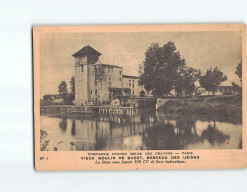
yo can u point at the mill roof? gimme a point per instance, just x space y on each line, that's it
111 66
86 50
131 77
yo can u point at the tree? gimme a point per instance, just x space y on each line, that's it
72 87
186 78
212 79
160 68
239 70
62 88
236 88
47 97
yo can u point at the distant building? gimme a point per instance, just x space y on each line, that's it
101 83
220 90
132 87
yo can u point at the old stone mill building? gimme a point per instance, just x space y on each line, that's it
98 83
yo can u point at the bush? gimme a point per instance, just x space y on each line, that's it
68 99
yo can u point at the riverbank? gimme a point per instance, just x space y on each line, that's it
227 106
62 109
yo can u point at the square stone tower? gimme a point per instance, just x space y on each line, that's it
85 74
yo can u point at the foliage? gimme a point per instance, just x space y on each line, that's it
236 88
141 147
229 106
43 144
160 68
47 97
212 79
186 78
55 149
62 88
239 70
72 144
68 99
72 87
43 134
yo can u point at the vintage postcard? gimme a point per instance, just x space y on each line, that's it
140 97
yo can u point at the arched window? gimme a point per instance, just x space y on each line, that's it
142 93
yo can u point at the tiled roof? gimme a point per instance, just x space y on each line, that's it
131 77
86 50
111 66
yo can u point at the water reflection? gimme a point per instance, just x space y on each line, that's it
141 131
213 135
73 128
63 124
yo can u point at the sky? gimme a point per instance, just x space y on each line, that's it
199 49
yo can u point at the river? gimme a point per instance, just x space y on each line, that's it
142 131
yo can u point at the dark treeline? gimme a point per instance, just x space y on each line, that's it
164 70
63 91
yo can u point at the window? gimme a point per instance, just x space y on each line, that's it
109 78
109 84
96 83
81 68
120 72
129 84
91 92
133 80
133 85
96 70
110 70
129 80
120 79
96 92
133 92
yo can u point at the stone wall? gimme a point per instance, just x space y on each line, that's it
161 102
63 109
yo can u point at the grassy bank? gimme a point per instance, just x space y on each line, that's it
227 106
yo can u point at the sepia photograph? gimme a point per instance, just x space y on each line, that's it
140 91
114 95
